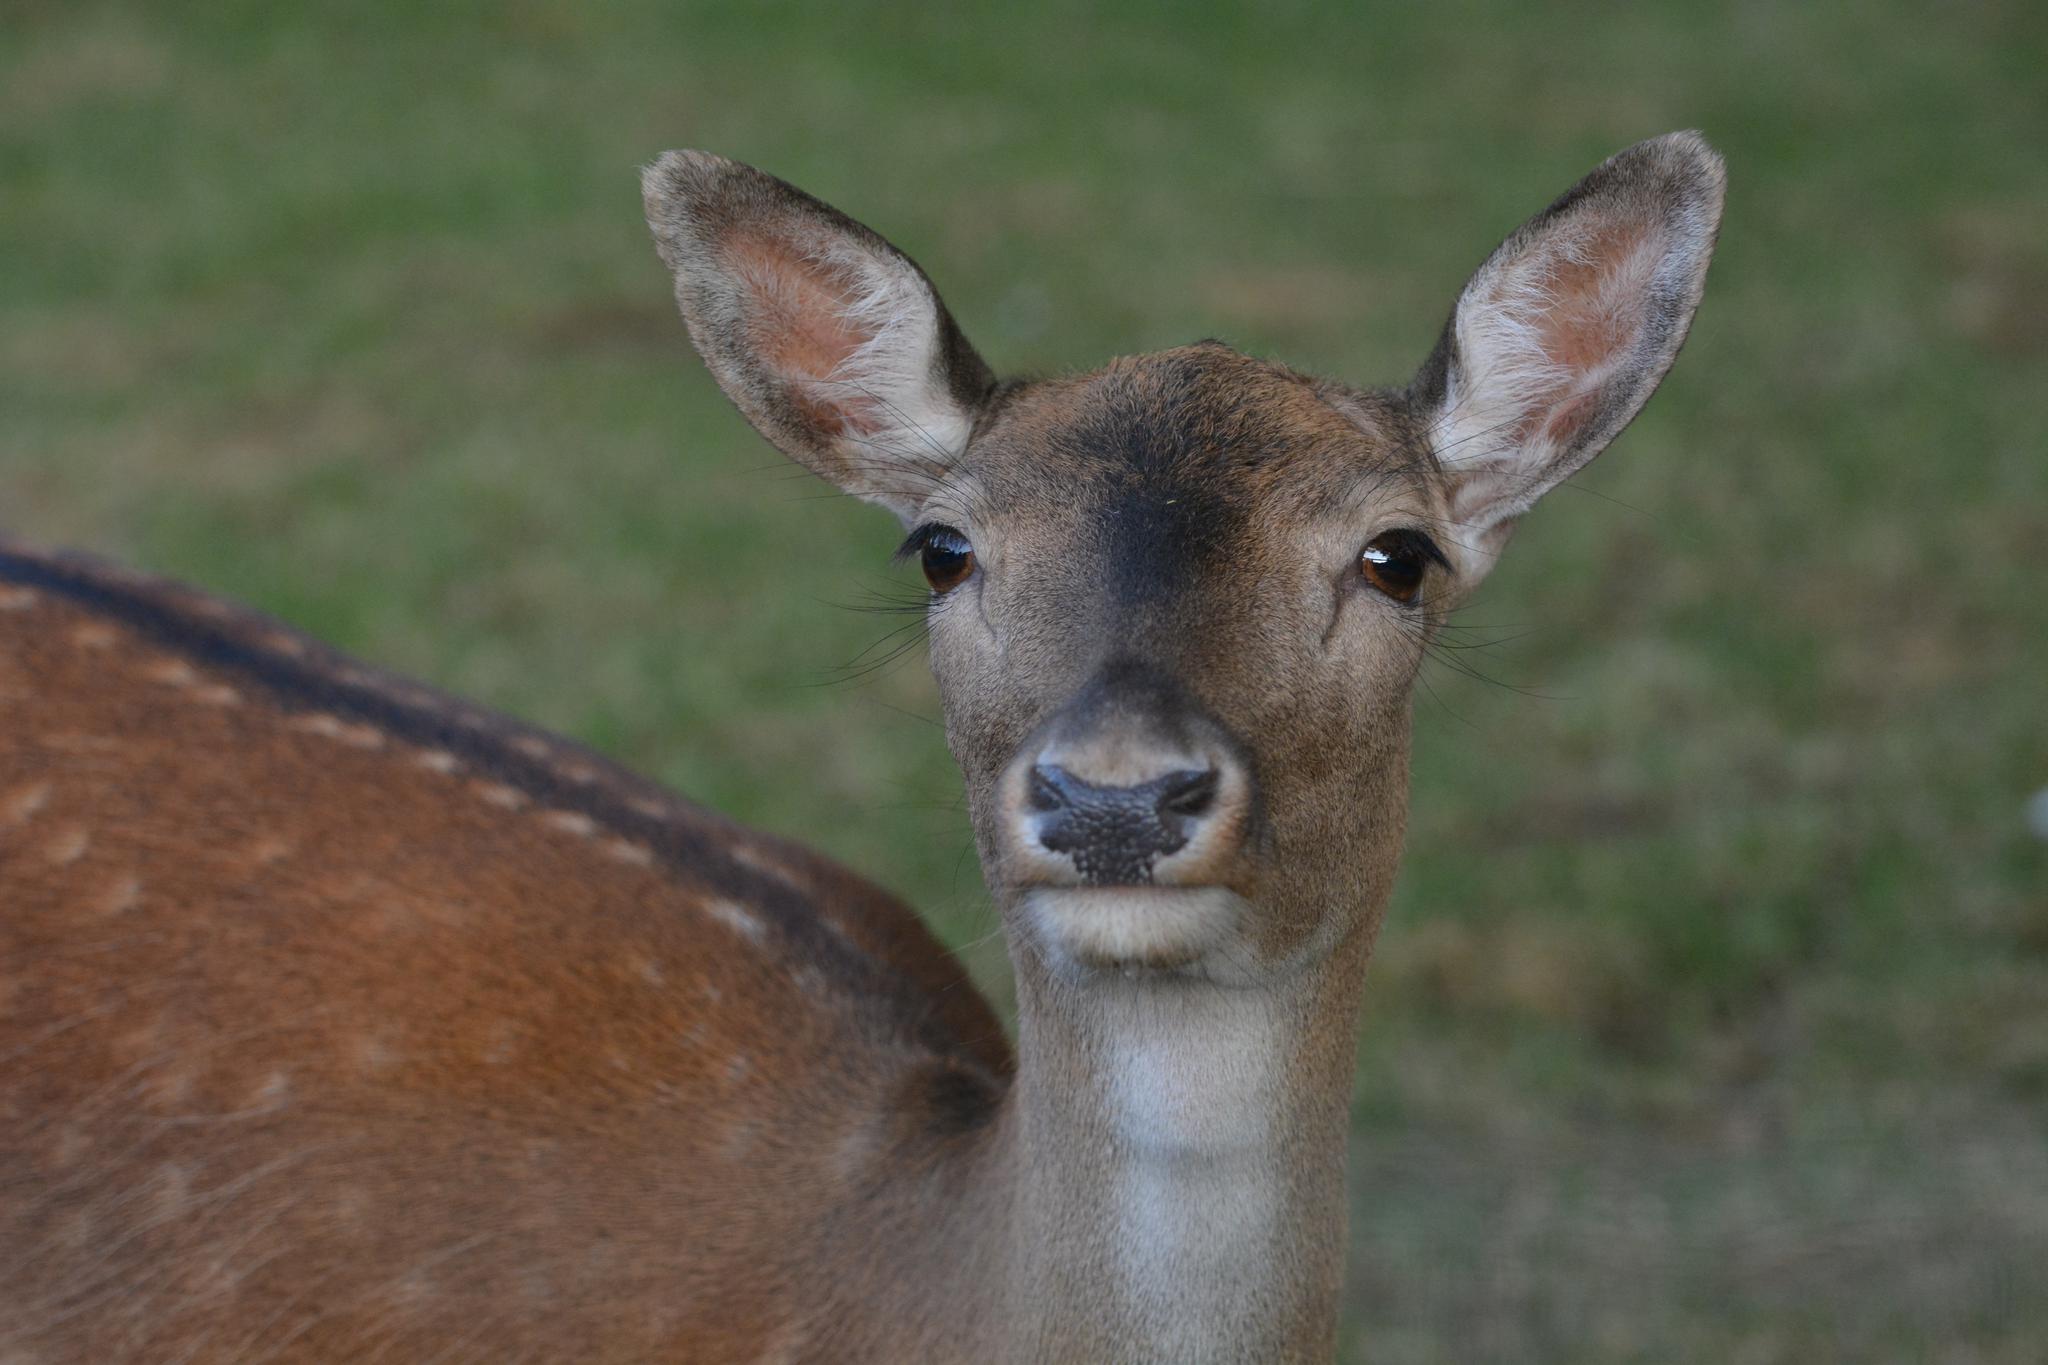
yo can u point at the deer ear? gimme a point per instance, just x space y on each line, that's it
831 342
1563 334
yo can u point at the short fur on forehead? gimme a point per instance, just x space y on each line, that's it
830 341
1564 332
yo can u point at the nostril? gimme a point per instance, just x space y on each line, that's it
1187 794
1045 789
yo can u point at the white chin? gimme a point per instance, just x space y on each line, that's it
1134 926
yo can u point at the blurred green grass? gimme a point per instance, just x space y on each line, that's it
1711 1020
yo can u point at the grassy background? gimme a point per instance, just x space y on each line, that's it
1711 1022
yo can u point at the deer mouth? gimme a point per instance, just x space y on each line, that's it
1149 927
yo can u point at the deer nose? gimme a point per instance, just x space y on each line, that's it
1128 834
1129 783
1115 834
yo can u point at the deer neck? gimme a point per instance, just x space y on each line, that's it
1178 1155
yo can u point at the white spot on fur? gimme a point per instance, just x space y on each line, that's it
571 822
171 673
652 809
747 855
17 599
333 727
275 1092
437 761
582 774
737 918
498 794
627 851
268 849
217 694
94 635
68 845
171 1088
739 1141
531 747
285 643
70 1143
120 896
650 971
21 803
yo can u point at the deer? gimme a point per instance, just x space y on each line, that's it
344 1020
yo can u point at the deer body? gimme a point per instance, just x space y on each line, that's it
340 1020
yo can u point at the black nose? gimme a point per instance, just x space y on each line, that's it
1114 834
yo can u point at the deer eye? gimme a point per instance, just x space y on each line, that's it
944 555
1395 562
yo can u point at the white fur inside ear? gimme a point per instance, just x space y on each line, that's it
1566 330
829 340
855 337
897 369
1540 338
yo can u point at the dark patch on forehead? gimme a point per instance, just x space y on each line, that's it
1157 538
1167 440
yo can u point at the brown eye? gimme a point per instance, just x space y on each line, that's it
1395 562
946 557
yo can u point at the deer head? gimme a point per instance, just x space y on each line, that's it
1179 602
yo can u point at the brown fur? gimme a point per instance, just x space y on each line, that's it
339 1020
337 1017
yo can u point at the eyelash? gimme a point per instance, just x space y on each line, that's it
1424 542
913 544
945 553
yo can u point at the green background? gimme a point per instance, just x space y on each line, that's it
1711 1018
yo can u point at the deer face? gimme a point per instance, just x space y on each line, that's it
1179 603
1173 687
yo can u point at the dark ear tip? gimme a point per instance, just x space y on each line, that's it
674 180
1684 161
